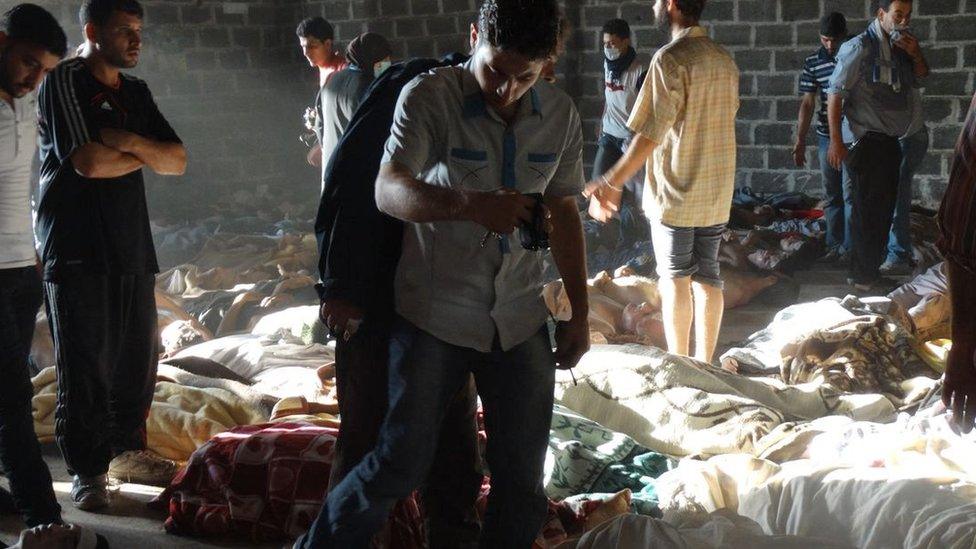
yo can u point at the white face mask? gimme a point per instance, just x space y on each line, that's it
381 66
611 53
898 30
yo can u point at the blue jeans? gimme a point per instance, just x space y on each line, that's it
913 150
425 373
837 194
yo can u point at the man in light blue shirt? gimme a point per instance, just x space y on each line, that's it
871 90
469 143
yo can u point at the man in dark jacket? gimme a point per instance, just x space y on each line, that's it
359 248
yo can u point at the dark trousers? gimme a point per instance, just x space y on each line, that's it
363 390
609 150
105 340
20 453
874 164
425 375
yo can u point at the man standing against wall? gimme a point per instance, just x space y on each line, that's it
316 38
468 143
684 124
31 44
870 105
99 127
914 146
624 72
814 81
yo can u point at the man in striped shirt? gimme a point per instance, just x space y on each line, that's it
814 81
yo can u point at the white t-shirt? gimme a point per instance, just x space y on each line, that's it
621 96
18 143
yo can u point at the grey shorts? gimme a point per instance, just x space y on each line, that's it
688 252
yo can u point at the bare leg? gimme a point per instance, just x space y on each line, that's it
709 305
677 311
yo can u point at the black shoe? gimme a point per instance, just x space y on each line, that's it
7 505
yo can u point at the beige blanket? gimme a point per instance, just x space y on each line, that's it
181 418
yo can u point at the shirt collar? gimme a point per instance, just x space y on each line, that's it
824 54
474 104
696 31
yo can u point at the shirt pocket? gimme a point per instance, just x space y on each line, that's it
468 168
540 168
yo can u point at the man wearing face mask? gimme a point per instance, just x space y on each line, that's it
467 142
31 44
625 70
871 105
814 81
368 56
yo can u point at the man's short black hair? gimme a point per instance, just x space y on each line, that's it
34 24
617 27
315 27
691 9
98 12
886 4
527 27
834 25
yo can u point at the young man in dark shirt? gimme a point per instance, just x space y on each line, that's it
99 128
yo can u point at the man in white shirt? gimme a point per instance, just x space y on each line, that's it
31 45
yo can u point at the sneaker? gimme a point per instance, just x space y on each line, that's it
142 467
897 268
90 493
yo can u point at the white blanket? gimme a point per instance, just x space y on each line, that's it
678 406
249 355
911 483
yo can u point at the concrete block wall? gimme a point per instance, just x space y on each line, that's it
769 40
232 80
216 70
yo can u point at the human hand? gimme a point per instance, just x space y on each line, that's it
314 156
604 200
341 317
501 212
119 140
836 154
959 394
800 154
572 342
909 44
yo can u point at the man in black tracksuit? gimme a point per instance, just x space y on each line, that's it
359 249
98 129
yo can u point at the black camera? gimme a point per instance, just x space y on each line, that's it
533 235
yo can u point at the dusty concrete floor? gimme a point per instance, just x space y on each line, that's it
132 525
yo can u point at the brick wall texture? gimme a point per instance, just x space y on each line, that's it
234 85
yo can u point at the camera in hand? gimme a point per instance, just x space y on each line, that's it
533 235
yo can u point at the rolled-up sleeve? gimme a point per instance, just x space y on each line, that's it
847 73
415 124
660 100
568 179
